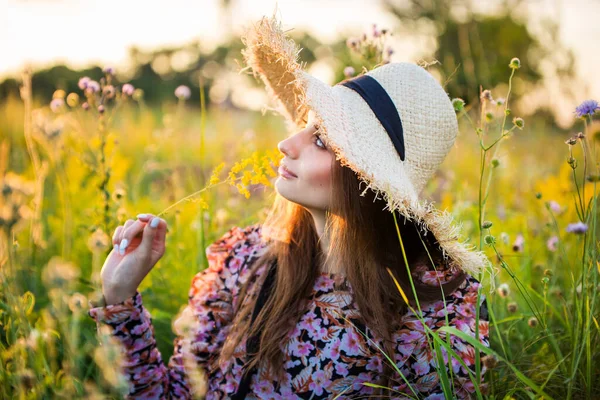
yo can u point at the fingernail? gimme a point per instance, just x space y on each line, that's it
123 246
116 248
154 222
142 215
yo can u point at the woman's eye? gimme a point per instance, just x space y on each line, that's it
318 140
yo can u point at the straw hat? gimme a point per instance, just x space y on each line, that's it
394 142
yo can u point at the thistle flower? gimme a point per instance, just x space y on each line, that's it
552 242
519 242
59 273
458 104
515 63
56 105
487 95
503 290
83 82
101 109
577 227
85 106
389 51
349 72
183 92
108 91
127 89
588 107
92 87
109 70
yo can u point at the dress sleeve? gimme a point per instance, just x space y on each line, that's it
201 327
416 359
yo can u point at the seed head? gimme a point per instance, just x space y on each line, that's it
458 104
108 91
85 106
73 100
532 322
503 290
487 95
101 109
515 63
512 307
519 122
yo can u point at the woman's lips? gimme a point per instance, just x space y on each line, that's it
286 173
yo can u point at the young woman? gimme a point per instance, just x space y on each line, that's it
302 305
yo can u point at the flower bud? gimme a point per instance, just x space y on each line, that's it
519 122
515 63
458 104
73 100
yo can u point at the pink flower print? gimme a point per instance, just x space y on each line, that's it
341 369
300 349
332 350
324 283
319 382
309 318
139 329
374 364
351 343
138 344
357 384
466 310
320 334
264 387
153 393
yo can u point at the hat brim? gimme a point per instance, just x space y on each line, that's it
274 58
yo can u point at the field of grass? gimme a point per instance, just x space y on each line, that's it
70 177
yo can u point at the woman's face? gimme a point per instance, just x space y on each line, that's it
309 160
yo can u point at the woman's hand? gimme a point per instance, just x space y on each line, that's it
138 245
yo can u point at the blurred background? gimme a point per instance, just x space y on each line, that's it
113 108
158 45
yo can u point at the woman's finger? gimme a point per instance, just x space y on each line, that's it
129 233
117 235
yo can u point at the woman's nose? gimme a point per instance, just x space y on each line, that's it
286 148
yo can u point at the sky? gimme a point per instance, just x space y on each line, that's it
85 32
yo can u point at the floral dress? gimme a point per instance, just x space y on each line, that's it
326 355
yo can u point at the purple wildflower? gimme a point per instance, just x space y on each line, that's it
83 82
554 206
85 106
349 71
588 107
577 227
518 244
552 242
109 70
352 43
183 92
57 104
101 109
93 86
127 89
376 32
